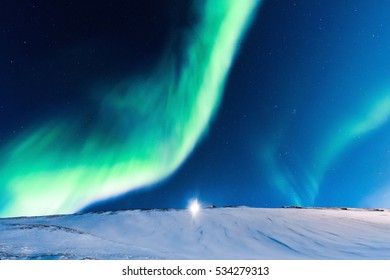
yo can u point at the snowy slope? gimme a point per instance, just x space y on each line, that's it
216 233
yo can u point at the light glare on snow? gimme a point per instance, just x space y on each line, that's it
194 207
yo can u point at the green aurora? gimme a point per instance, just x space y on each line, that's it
303 187
140 131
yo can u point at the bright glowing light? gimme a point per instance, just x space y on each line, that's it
194 208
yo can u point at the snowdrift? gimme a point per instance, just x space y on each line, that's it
216 233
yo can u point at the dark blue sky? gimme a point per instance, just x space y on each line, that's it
307 73
304 115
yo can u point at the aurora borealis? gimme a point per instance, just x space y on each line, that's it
142 129
143 105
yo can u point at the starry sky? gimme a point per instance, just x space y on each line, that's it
149 104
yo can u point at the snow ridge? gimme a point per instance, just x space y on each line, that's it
215 233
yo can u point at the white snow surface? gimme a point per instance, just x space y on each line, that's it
216 233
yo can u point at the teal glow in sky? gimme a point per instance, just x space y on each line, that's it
147 104
303 189
139 132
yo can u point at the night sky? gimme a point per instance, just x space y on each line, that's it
149 104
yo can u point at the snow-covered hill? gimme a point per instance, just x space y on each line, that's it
216 233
